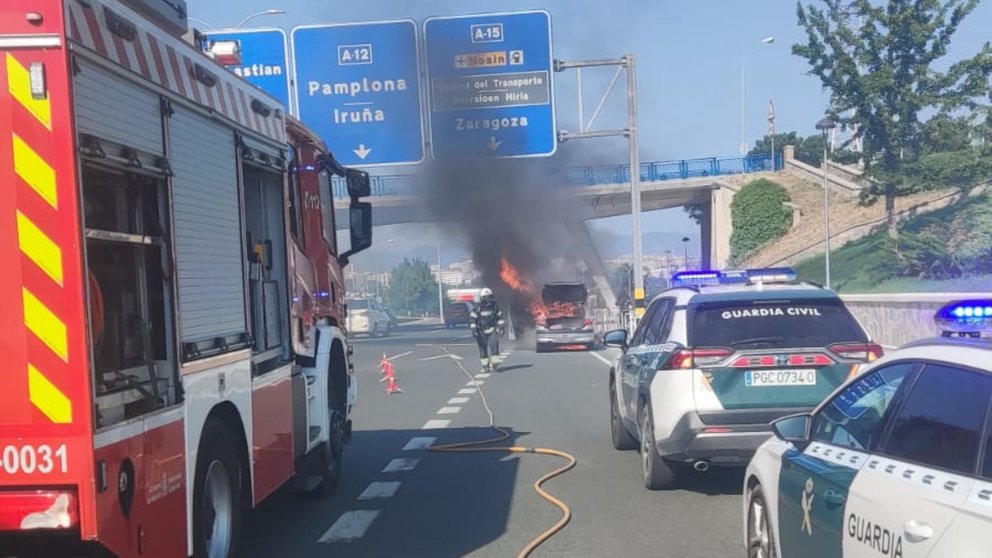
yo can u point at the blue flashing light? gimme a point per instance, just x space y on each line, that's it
772 275
734 276
698 277
965 317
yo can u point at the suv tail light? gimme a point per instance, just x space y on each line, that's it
867 352
691 358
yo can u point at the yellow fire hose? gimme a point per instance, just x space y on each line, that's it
482 446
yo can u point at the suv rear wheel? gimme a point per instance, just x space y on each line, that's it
658 473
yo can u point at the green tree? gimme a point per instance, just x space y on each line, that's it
759 216
696 211
763 146
412 288
881 65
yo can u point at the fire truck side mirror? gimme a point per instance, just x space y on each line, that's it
359 184
360 217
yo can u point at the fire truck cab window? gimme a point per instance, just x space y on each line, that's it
267 266
327 209
295 223
130 292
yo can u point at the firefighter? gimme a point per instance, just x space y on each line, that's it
486 321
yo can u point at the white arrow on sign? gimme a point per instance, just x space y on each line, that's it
362 151
493 144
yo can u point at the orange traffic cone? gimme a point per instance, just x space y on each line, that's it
389 376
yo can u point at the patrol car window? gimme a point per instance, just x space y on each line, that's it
750 324
986 472
853 419
942 421
653 335
642 327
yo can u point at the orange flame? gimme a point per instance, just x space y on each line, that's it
511 276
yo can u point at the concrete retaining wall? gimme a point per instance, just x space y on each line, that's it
896 319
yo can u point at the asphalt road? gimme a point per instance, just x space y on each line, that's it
396 502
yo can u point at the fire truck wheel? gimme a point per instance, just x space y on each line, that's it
216 497
332 457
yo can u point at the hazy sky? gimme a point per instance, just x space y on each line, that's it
689 55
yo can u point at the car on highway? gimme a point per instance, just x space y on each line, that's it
563 322
897 462
720 355
366 316
457 314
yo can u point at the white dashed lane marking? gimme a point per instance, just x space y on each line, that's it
476 383
467 391
401 464
449 410
458 401
435 424
350 526
419 443
482 376
380 490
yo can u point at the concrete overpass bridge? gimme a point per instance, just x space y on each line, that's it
603 191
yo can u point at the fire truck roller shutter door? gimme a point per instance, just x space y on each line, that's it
208 227
135 119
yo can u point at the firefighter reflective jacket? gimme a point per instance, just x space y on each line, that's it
485 318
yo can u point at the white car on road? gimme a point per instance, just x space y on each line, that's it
366 316
895 463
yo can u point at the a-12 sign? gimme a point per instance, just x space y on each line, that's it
358 86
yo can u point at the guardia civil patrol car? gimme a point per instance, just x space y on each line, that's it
719 356
896 463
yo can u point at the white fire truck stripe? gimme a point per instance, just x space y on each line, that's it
131 429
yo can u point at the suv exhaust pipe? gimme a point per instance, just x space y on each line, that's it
701 466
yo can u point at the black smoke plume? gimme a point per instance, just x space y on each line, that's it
513 208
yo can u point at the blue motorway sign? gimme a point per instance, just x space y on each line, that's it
264 59
491 87
357 85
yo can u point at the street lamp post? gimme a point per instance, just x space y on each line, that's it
259 14
440 286
765 41
243 21
685 245
825 125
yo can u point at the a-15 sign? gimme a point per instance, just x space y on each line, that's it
491 86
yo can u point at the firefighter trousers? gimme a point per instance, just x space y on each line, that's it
488 349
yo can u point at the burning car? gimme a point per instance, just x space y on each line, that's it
561 320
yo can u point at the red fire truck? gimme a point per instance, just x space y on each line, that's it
172 299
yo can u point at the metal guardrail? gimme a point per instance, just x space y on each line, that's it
405 184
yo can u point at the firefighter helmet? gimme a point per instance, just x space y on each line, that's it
486 294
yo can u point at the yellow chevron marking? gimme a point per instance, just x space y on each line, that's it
48 398
35 171
46 325
39 247
19 85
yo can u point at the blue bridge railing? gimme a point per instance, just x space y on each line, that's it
404 184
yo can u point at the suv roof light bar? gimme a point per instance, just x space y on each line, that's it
965 318
699 278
